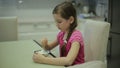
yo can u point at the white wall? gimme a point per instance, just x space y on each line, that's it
28 8
33 17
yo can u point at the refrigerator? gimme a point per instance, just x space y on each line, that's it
114 20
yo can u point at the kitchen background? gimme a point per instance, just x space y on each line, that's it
34 16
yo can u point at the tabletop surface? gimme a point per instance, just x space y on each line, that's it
18 54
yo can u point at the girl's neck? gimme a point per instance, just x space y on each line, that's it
65 36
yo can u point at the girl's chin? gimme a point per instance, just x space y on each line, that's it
62 30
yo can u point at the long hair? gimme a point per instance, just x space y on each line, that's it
66 10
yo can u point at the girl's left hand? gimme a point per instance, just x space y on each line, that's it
38 58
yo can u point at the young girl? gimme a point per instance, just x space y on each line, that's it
69 39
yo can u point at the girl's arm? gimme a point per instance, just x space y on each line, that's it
47 45
68 60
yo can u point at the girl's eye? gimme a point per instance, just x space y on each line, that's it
59 22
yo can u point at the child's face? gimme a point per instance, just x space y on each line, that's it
62 23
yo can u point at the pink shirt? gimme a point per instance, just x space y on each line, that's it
76 36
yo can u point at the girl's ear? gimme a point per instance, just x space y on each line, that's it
71 19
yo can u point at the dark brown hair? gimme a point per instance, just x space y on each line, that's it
66 10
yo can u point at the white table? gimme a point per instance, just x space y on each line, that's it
18 54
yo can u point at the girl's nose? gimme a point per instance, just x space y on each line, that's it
57 24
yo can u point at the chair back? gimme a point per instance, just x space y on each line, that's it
95 34
8 29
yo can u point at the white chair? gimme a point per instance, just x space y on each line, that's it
95 34
8 29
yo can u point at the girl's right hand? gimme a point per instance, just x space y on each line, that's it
44 43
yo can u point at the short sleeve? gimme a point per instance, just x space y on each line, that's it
76 36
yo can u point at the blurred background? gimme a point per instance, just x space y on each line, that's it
35 16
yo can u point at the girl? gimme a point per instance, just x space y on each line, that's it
69 39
